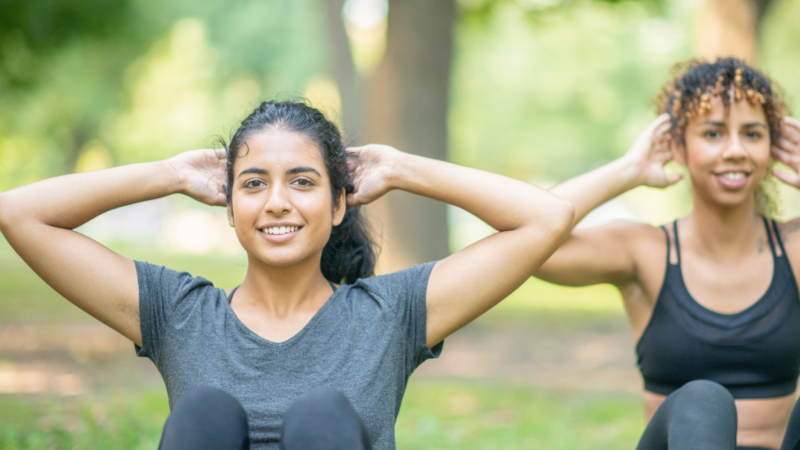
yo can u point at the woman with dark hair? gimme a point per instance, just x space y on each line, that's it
311 351
712 298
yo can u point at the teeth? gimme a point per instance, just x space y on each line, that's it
279 230
733 176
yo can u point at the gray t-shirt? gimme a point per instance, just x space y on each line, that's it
365 341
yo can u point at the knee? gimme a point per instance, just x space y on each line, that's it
206 417
706 399
706 392
210 399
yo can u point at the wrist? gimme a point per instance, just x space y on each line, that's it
400 170
628 173
174 179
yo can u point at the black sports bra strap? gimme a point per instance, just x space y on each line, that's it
777 237
677 241
666 233
230 296
769 238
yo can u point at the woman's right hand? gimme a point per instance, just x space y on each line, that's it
650 152
201 175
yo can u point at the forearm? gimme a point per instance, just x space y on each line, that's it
590 190
71 200
503 203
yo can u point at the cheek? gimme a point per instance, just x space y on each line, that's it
316 210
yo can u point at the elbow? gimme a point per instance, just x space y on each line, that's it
7 210
563 218
4 213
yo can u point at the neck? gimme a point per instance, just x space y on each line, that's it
723 230
284 290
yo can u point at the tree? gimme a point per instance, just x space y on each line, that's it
731 28
403 104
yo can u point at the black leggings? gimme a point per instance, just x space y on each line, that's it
702 415
207 418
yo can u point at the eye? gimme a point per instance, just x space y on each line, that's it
304 182
253 183
712 134
753 135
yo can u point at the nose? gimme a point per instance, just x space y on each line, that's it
278 202
735 148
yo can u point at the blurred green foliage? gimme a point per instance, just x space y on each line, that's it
137 80
541 89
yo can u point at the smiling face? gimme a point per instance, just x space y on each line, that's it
727 155
281 203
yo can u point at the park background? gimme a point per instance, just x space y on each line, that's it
539 90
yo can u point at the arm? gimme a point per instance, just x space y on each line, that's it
600 254
531 223
38 221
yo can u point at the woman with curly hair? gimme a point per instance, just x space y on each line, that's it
311 351
712 298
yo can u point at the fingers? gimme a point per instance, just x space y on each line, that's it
789 158
788 178
220 153
673 178
791 122
791 130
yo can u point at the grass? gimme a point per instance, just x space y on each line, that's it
437 414
46 422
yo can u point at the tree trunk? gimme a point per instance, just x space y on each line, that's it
731 28
406 106
347 79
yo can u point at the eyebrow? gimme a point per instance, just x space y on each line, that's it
302 169
252 170
723 124
291 171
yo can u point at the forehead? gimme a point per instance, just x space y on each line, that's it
741 111
277 148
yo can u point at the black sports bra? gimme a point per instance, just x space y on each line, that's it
754 353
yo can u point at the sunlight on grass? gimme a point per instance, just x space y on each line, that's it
464 416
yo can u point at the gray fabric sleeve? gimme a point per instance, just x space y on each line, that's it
406 292
161 291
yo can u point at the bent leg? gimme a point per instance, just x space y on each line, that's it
700 415
791 440
206 418
323 419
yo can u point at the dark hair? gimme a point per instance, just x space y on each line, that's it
350 253
695 82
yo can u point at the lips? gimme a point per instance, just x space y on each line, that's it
732 179
280 230
279 233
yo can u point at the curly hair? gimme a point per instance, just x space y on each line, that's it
350 253
695 82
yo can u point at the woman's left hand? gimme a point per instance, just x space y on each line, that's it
374 168
787 151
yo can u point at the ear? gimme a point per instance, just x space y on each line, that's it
340 208
230 214
678 152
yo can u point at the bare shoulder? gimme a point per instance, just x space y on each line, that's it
790 236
